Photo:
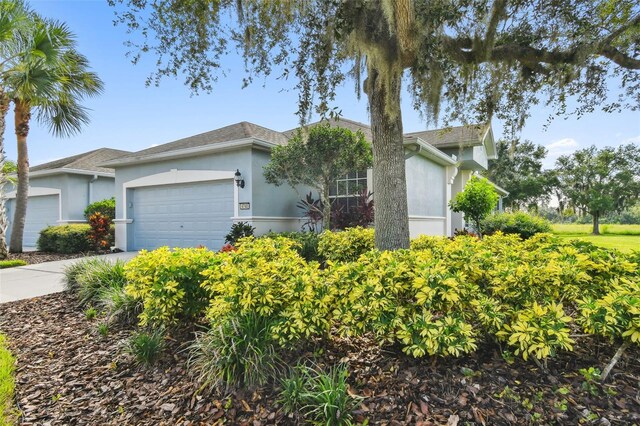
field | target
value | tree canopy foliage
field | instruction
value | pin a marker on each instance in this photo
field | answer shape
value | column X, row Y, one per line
column 518, row 169
column 464, row 60
column 317, row 158
column 601, row 181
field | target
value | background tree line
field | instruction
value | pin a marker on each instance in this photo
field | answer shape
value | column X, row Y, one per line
column 590, row 182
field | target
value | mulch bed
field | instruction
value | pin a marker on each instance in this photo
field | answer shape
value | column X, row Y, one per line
column 68, row 374
column 34, row 257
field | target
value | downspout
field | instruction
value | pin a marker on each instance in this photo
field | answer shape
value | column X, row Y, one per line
column 93, row 179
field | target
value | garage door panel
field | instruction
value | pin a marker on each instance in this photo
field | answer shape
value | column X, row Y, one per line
column 42, row 211
column 182, row 215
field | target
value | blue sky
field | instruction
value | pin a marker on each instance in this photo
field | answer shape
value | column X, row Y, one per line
column 131, row 116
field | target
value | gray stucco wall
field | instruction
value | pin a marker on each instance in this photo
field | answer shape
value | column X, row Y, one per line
column 271, row 200
column 426, row 186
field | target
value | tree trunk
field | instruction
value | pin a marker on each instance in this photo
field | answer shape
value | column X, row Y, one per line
column 22, row 117
column 596, row 223
column 391, row 219
column 326, row 209
column 4, row 222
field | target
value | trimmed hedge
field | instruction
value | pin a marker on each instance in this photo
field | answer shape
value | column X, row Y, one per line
column 106, row 207
column 520, row 223
column 72, row 238
column 11, row 263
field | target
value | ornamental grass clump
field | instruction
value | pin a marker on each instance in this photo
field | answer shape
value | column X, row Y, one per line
column 236, row 351
column 145, row 346
column 321, row 396
column 89, row 278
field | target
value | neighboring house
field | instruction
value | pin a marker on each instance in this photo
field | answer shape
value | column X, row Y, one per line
column 60, row 190
column 184, row 193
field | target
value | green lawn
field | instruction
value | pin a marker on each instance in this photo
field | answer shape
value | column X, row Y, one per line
column 7, row 385
column 621, row 237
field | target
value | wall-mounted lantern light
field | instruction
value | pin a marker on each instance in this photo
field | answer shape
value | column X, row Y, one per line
column 238, row 178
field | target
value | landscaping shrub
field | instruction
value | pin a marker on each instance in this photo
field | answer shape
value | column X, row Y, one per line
column 106, row 207
column 145, row 346
column 168, row 283
column 239, row 230
column 267, row 277
column 99, row 228
column 11, row 263
column 65, row 239
column 520, row 223
column 347, row 245
column 236, row 351
column 72, row 238
column 307, row 246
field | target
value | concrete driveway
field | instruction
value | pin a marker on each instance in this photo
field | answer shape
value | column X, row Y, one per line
column 29, row 281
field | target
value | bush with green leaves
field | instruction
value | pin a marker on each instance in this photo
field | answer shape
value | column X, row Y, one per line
column 239, row 230
column 106, row 207
column 320, row 395
column 73, row 238
column 119, row 306
column 476, row 201
column 347, row 245
column 70, row 238
column 521, row 223
column 238, row 350
column 145, row 346
column 168, row 283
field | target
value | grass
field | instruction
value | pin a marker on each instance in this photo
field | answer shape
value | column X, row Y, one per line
column 7, row 384
column 622, row 237
column 605, row 229
column 11, row 263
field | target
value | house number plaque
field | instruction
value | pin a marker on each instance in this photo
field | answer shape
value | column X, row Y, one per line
column 245, row 206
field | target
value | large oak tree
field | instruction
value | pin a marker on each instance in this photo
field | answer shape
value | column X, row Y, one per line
column 477, row 58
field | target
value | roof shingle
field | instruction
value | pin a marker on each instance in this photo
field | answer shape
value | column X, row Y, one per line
column 86, row 161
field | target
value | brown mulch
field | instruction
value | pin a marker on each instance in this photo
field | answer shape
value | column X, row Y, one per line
column 34, row 257
column 68, row 374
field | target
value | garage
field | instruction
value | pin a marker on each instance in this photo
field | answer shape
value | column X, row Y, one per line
column 182, row 215
column 42, row 211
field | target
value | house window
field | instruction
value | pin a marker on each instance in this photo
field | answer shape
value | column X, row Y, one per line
column 346, row 190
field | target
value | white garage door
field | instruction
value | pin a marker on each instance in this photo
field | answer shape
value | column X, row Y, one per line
column 42, row 211
column 183, row 215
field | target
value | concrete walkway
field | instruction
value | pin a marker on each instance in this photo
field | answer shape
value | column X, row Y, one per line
column 29, row 281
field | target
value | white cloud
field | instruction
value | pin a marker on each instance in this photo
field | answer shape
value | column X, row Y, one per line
column 560, row 147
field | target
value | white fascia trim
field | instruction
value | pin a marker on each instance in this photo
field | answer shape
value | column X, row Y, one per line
column 266, row 218
column 491, row 142
column 122, row 220
column 188, row 152
column 427, row 217
column 431, row 152
column 37, row 191
column 73, row 171
column 175, row 176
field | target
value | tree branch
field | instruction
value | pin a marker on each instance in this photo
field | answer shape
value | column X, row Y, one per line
column 462, row 51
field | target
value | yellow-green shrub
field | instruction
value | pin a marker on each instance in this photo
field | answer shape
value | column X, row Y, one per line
column 539, row 331
column 268, row 277
column 168, row 283
column 347, row 245
column 616, row 314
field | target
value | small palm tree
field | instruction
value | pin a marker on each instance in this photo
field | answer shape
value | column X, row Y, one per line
column 51, row 79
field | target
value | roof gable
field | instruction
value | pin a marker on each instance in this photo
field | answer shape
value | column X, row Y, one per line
column 87, row 161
